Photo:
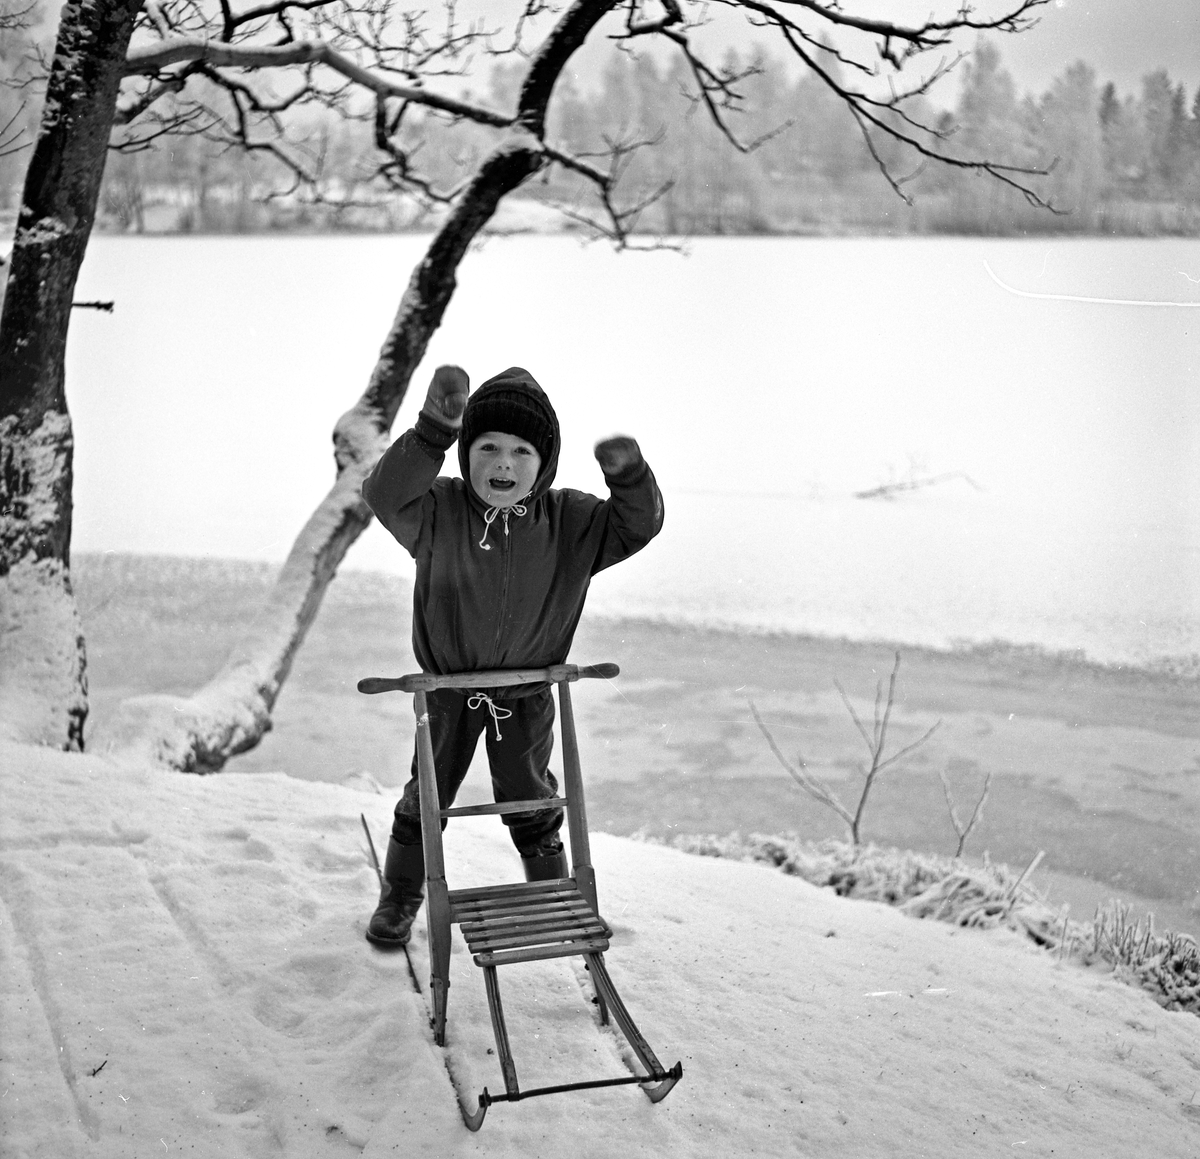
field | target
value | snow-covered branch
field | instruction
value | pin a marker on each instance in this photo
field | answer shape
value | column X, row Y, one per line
column 152, row 60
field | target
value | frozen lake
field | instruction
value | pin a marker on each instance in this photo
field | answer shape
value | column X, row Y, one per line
column 767, row 381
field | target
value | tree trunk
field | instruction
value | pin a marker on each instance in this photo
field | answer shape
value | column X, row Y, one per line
column 43, row 680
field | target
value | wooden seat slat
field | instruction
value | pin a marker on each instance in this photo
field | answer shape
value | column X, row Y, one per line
column 566, row 949
column 509, row 901
column 556, row 886
column 500, row 907
column 578, row 914
column 493, row 939
column 469, row 913
column 531, row 920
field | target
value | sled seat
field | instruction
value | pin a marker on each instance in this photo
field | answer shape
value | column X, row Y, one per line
column 527, row 922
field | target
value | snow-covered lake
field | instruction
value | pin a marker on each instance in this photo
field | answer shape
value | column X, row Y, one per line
column 767, row 381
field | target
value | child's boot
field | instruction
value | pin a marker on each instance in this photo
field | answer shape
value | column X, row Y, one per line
column 400, row 897
column 545, row 865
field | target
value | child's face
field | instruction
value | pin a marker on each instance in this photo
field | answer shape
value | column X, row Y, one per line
column 503, row 468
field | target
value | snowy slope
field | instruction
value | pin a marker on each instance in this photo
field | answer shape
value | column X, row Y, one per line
column 200, row 940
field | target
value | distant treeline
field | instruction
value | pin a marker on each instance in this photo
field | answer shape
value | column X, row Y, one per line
column 1119, row 163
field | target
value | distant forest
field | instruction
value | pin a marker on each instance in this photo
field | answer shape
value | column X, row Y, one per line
column 1119, row 163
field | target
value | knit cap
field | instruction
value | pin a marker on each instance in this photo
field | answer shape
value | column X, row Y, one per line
column 512, row 403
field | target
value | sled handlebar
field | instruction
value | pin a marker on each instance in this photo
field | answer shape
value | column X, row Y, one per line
column 497, row 678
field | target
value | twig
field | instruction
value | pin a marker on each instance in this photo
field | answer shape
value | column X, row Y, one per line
column 1062, row 938
column 1016, row 885
column 875, row 741
column 374, row 856
column 412, row 974
column 887, row 490
column 99, row 1068
column 811, row 784
column 875, row 745
column 976, row 816
column 107, row 307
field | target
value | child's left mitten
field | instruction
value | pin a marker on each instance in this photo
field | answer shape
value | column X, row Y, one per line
column 617, row 454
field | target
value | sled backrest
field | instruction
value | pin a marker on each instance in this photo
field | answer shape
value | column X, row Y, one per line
column 572, row 802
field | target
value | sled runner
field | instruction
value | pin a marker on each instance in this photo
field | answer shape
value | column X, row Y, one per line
column 522, row 921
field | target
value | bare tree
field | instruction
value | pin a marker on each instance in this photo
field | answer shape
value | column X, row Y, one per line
column 238, row 77
column 876, row 741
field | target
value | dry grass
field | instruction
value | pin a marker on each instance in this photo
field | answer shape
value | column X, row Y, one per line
column 1166, row 964
column 987, row 896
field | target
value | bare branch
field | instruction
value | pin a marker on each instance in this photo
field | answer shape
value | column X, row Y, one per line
column 861, row 106
column 907, row 748
column 870, row 743
column 877, row 739
column 887, row 490
column 672, row 16
column 156, row 16
column 152, row 60
column 13, row 18
column 397, row 172
column 278, row 9
column 811, row 784
column 881, row 164
column 154, row 92
column 930, row 34
column 621, row 220
column 10, row 137
column 976, row 816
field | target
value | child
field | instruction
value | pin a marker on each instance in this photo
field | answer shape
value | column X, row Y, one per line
column 503, row 567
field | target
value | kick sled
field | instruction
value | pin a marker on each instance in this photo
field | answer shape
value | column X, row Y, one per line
column 521, row 921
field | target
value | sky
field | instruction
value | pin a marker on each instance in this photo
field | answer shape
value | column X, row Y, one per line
column 1122, row 39
column 184, row 972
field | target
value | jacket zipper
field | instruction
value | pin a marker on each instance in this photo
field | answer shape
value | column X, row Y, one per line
column 506, row 550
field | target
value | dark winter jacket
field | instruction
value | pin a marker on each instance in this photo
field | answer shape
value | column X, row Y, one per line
column 516, row 605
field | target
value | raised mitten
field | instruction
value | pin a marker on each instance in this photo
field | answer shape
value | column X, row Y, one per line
column 618, row 454
column 446, row 398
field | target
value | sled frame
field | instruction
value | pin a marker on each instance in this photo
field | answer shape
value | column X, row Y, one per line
column 521, row 921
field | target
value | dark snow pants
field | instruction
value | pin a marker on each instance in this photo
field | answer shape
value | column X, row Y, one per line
column 520, row 763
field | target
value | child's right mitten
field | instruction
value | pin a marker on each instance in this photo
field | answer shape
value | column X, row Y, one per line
column 446, row 398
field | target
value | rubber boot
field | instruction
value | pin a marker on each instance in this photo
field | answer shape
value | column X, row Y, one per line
column 400, row 898
column 546, row 866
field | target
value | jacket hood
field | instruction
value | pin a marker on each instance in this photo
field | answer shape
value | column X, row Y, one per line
column 514, row 389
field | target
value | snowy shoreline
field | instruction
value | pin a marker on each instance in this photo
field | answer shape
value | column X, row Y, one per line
column 352, row 585
column 1091, row 763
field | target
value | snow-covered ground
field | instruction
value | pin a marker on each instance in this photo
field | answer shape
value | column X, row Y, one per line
column 184, row 972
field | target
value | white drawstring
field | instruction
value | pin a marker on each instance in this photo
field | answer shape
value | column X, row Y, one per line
column 489, row 517
column 497, row 712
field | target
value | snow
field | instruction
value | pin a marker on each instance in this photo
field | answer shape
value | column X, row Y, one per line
column 40, row 630
column 184, row 971
column 44, row 232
